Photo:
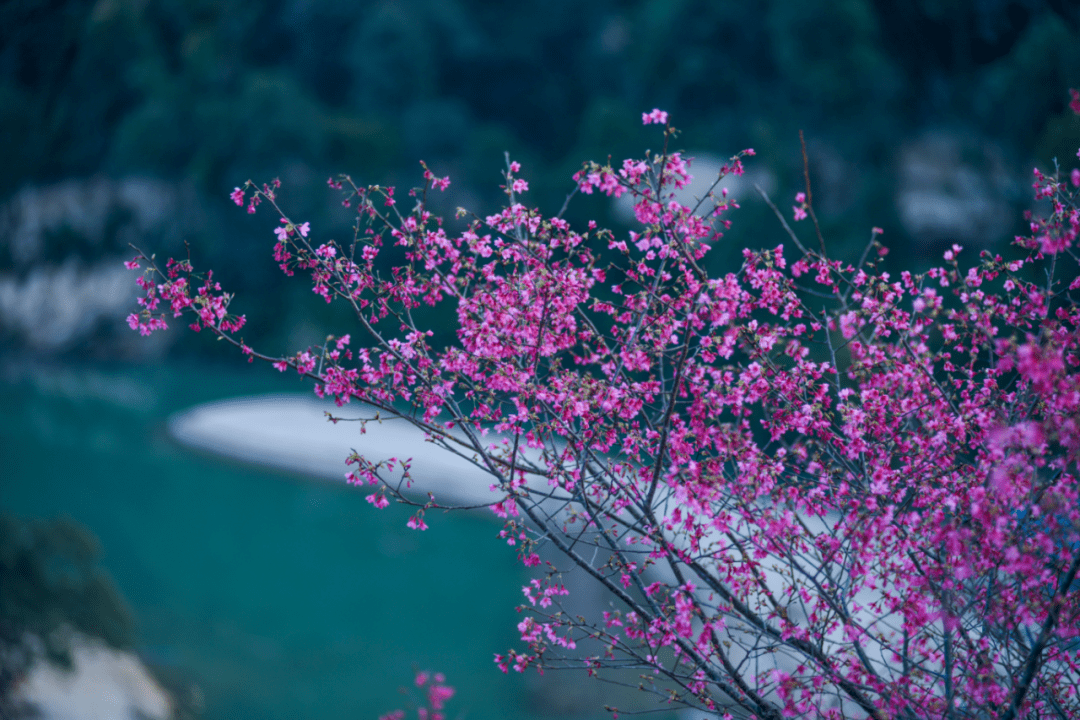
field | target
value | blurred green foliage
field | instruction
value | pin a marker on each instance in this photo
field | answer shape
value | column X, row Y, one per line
column 50, row 585
column 50, row 579
column 212, row 92
column 218, row 90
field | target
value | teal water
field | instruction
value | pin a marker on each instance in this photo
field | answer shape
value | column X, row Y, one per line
column 279, row 596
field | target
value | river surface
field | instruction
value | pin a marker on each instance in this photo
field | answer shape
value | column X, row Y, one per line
column 279, row 596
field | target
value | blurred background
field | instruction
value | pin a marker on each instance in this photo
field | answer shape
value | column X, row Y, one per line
column 250, row 594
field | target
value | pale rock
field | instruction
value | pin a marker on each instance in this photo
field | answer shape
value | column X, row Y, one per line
column 705, row 168
column 55, row 306
column 84, row 207
column 102, row 684
column 954, row 189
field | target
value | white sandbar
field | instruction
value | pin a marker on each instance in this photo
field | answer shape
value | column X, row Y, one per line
column 292, row 433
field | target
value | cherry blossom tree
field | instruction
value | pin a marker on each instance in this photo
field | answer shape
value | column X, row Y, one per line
column 811, row 488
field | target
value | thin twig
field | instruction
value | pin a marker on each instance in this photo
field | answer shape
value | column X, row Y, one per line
column 810, row 194
column 780, row 217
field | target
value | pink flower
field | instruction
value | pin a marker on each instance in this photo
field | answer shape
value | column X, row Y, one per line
column 515, row 167
column 800, row 213
column 304, row 229
column 520, row 186
column 800, row 197
column 1053, row 243
column 1074, row 105
column 282, row 233
column 1040, row 365
column 132, row 264
column 237, row 196
column 438, row 694
column 1074, row 177
column 656, row 116
column 849, row 325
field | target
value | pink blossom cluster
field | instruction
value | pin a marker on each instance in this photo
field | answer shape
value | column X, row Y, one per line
column 813, row 488
column 436, row 693
column 208, row 303
column 1058, row 232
